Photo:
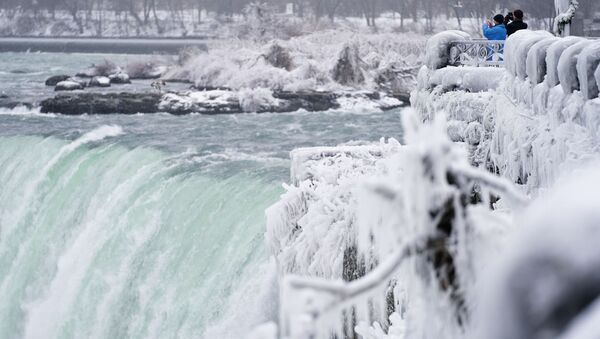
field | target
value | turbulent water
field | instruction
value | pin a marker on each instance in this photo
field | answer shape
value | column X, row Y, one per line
column 145, row 226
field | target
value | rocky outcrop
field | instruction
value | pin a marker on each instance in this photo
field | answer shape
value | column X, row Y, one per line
column 102, row 103
column 99, row 81
column 68, row 85
column 119, row 79
column 206, row 102
column 54, row 80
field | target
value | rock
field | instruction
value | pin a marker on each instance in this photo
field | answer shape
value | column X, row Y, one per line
column 205, row 102
column 102, row 103
column 307, row 100
column 99, row 81
column 119, row 78
column 68, row 85
column 55, row 79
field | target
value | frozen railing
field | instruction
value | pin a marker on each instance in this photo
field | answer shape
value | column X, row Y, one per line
column 477, row 52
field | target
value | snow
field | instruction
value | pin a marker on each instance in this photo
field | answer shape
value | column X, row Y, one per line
column 471, row 79
column 552, row 58
column 536, row 60
column 68, row 85
column 587, row 63
column 550, row 273
column 567, row 66
column 313, row 57
column 438, row 49
column 524, row 266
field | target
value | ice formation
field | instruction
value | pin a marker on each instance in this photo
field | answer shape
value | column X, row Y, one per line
column 392, row 241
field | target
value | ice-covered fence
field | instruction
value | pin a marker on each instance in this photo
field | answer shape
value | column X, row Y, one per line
column 457, row 48
column 476, row 52
column 537, row 116
column 409, row 217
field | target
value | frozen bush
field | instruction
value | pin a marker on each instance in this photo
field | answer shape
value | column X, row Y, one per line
column 348, row 68
column 279, row 57
column 145, row 70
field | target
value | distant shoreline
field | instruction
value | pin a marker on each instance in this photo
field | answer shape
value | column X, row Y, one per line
column 100, row 45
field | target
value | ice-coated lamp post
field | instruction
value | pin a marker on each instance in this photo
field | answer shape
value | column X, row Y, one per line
column 565, row 13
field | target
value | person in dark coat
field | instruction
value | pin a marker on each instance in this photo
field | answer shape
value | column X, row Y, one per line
column 517, row 23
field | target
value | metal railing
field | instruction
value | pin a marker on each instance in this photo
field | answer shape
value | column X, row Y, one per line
column 477, row 52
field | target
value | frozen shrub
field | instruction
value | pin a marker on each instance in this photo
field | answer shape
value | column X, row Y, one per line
column 279, row 57
column 188, row 53
column 145, row 70
column 348, row 70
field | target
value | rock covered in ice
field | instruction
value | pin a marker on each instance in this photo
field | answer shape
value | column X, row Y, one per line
column 536, row 60
column 119, row 78
column 68, row 85
column 567, row 66
column 55, row 79
column 587, row 64
column 552, row 57
column 549, row 276
column 99, row 81
column 438, row 48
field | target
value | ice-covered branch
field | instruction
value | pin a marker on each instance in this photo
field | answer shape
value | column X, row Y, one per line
column 347, row 290
column 497, row 184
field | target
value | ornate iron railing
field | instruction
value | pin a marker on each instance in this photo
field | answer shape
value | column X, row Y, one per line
column 477, row 52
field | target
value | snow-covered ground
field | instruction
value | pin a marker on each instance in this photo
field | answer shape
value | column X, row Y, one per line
column 483, row 225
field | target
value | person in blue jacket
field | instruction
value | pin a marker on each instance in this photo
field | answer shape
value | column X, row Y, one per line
column 495, row 30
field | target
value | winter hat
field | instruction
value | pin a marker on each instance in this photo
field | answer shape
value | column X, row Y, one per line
column 499, row 18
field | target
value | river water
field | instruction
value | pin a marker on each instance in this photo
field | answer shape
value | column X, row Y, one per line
column 144, row 226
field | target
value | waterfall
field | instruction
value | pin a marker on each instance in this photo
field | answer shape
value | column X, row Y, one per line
column 98, row 240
